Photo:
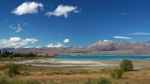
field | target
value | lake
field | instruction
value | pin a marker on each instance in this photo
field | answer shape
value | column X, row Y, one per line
column 95, row 57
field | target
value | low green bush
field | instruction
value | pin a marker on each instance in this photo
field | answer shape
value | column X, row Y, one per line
column 117, row 73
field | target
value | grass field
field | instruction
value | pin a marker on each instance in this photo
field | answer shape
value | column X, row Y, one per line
column 47, row 75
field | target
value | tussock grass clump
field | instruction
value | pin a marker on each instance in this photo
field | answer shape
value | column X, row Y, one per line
column 117, row 73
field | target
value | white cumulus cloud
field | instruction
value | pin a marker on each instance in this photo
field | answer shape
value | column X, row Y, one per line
column 55, row 45
column 66, row 40
column 27, row 8
column 16, row 42
column 62, row 10
column 121, row 37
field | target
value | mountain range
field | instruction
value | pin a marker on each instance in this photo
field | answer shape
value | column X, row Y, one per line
column 105, row 47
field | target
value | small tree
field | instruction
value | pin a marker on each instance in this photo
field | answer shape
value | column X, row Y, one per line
column 117, row 73
column 126, row 65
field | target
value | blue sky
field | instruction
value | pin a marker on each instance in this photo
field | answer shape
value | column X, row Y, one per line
column 79, row 22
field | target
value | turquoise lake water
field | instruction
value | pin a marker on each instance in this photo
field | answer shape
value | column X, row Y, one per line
column 92, row 57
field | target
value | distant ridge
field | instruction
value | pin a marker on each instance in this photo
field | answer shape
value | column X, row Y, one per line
column 99, row 48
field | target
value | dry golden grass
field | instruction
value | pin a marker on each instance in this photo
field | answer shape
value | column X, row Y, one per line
column 47, row 75
column 73, row 76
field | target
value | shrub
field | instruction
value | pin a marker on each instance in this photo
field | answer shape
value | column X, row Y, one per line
column 126, row 65
column 117, row 73
column 11, row 69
